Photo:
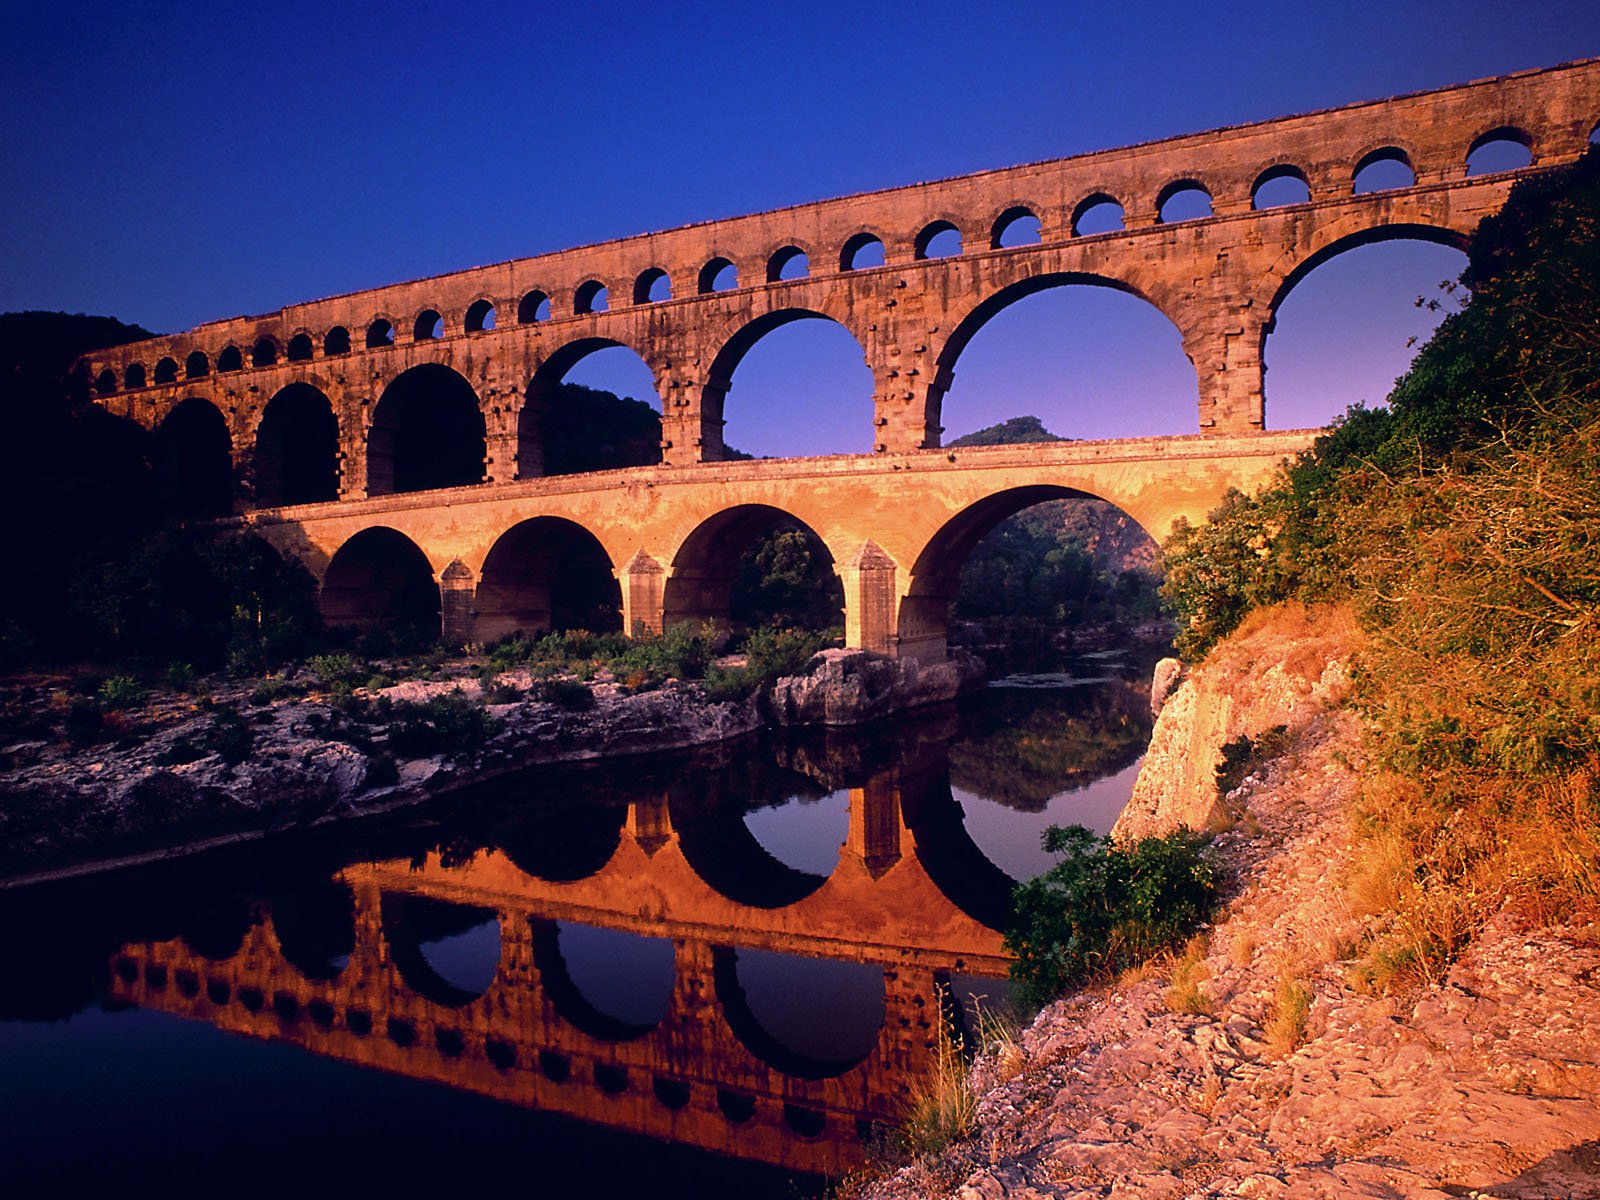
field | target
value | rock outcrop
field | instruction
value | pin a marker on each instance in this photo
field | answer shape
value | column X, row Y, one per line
column 851, row 687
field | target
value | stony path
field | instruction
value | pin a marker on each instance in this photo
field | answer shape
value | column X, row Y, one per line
column 1487, row 1084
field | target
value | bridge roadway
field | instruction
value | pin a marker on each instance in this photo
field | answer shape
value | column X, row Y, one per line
column 896, row 528
column 707, row 1073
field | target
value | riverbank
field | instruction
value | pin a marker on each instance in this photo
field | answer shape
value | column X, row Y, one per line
column 1262, row 1062
column 177, row 772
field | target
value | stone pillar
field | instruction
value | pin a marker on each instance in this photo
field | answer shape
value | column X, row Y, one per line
column 457, row 609
column 501, row 406
column 650, row 823
column 869, row 599
column 1225, row 344
column 875, row 825
column 643, row 582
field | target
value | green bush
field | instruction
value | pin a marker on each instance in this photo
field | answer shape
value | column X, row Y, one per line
column 570, row 694
column 450, row 724
column 121, row 691
column 1105, row 906
column 332, row 669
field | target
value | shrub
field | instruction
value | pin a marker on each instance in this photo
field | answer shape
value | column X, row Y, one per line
column 120, row 691
column 1105, row 906
column 230, row 736
column 330, row 670
column 570, row 694
column 450, row 724
column 180, row 676
column 84, row 722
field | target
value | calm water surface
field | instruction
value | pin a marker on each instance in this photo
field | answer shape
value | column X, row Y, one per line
column 712, row 976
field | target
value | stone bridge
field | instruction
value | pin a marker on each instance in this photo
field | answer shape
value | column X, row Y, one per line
column 405, row 424
column 708, row 1072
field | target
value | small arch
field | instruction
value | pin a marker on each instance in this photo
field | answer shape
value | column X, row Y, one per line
column 427, row 432
column 652, row 287
column 718, row 275
column 533, row 307
column 1505, row 148
column 380, row 334
column 429, row 325
column 297, row 449
column 1017, row 226
column 480, row 316
column 862, row 252
column 1278, row 186
column 938, row 239
column 592, row 296
column 380, row 580
column 337, row 342
column 230, row 359
column 1099, row 213
column 166, row 370
column 264, row 353
column 1183, row 200
column 299, row 348
column 1382, row 170
column 133, row 376
column 547, row 573
column 194, row 460
column 315, row 928
column 106, row 382
column 788, row 262
column 197, row 365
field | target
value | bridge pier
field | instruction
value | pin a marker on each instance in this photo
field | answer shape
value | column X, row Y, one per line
column 643, row 581
column 869, row 599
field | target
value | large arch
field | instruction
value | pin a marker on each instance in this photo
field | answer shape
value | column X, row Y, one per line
column 297, row 449
column 380, row 580
column 924, row 617
column 444, row 951
column 773, row 1013
column 1357, row 326
column 427, row 432
column 194, row 460
column 703, row 584
column 612, row 985
column 1147, row 398
column 566, row 426
column 807, row 405
column 547, row 573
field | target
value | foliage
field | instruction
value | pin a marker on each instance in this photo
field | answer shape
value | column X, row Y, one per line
column 590, row 430
column 121, row 691
column 785, row 578
column 448, row 724
column 1012, row 432
column 1105, row 906
column 1243, row 754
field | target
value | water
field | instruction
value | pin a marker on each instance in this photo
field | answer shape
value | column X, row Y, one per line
column 714, row 975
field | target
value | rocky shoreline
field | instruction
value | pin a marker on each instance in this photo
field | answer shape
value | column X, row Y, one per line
column 71, row 810
column 1194, row 1079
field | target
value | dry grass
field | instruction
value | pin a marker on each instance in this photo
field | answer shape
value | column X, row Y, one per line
column 1243, row 948
column 1291, row 1007
column 1189, row 971
column 942, row 1107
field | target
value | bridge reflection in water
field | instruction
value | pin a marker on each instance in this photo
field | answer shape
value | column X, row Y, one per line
column 650, row 967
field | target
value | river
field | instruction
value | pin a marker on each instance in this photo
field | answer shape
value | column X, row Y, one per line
column 711, row 975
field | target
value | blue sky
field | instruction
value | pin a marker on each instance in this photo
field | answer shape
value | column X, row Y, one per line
column 169, row 163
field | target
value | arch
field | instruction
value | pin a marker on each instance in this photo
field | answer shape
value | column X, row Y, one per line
column 547, row 573
column 264, row 353
column 480, row 316
column 197, row 365
column 729, row 859
column 1366, row 368
column 992, row 306
column 938, row 239
column 1183, row 200
column 133, row 376
column 336, row 342
column 589, row 431
column 652, row 287
column 297, row 449
column 230, row 359
column 701, row 587
column 166, row 371
column 533, row 307
column 1280, row 185
column 445, row 952
column 380, row 334
column 951, row 859
column 427, row 432
column 720, row 378
column 106, row 382
column 1382, row 170
column 1504, row 148
column 194, row 460
column 299, row 348
column 429, row 325
column 379, row 580
column 1097, row 213
column 788, row 262
column 564, row 843
column 591, row 296
column 217, row 931
column 924, row 614
column 315, row 928
column 718, row 275
column 1017, row 226
column 861, row 252
column 766, row 999
column 610, row 984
